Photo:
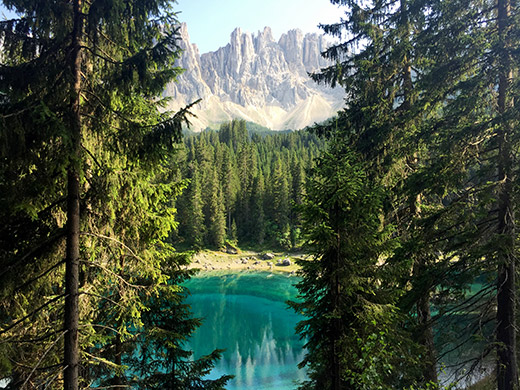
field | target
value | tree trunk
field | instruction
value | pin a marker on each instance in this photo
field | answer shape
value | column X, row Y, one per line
column 425, row 337
column 336, row 321
column 424, row 318
column 71, row 347
column 118, row 380
column 507, row 371
column 71, row 353
column 423, row 304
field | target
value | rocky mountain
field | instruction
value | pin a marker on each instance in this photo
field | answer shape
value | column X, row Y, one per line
column 256, row 78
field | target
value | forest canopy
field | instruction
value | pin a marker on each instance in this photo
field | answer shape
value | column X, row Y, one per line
column 90, row 292
column 406, row 201
column 244, row 187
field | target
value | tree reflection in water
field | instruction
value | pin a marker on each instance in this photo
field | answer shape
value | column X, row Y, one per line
column 246, row 314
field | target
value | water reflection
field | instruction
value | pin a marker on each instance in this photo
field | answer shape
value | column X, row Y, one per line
column 246, row 314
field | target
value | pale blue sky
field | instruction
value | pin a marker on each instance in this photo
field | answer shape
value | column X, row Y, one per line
column 210, row 22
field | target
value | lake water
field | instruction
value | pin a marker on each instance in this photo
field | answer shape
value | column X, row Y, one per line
column 246, row 314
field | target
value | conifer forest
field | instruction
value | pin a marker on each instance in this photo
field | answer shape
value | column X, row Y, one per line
column 404, row 202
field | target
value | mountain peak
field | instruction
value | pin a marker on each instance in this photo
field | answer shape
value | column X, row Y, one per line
column 257, row 79
column 266, row 35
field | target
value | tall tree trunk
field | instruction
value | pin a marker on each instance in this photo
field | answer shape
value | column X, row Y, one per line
column 71, row 353
column 118, row 380
column 118, row 344
column 336, row 320
column 423, row 303
column 423, row 306
column 507, row 371
column 71, row 347
column 426, row 339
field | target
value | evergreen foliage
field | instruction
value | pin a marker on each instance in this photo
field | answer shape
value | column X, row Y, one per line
column 431, row 109
column 377, row 67
column 248, row 186
column 350, row 310
column 413, row 200
column 85, row 146
column 479, row 123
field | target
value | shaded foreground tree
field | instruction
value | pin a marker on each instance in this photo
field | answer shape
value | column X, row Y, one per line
column 432, row 96
column 474, row 75
column 85, row 183
column 352, row 341
column 374, row 64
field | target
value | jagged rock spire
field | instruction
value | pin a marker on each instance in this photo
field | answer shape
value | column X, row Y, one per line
column 258, row 79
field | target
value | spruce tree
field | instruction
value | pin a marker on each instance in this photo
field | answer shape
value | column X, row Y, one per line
column 507, row 362
column 280, row 202
column 257, row 209
column 190, row 205
column 431, row 103
column 381, row 67
column 349, row 313
column 245, row 178
column 473, row 46
column 297, row 193
column 246, row 169
column 229, row 180
column 82, row 125
column 214, row 212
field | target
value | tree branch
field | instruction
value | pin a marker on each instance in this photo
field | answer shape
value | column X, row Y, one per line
column 31, row 314
column 42, row 357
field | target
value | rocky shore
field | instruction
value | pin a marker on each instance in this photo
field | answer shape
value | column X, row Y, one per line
column 245, row 261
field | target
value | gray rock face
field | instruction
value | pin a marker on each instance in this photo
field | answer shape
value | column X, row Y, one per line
column 284, row 263
column 257, row 79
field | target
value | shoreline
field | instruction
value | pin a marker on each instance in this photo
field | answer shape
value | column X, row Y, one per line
column 244, row 261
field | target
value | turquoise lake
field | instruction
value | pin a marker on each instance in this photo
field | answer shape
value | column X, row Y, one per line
column 246, row 314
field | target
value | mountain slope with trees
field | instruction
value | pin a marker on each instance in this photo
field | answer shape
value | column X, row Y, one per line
column 243, row 186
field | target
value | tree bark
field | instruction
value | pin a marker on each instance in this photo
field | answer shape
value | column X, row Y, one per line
column 426, row 339
column 118, row 380
column 71, row 346
column 336, row 321
column 507, row 371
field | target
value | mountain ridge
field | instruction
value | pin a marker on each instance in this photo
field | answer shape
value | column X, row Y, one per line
column 255, row 78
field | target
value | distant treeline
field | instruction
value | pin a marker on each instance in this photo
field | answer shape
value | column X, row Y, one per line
column 242, row 186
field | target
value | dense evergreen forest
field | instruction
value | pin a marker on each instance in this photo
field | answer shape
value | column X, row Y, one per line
column 244, row 187
column 411, row 212
column 89, row 282
column 407, row 203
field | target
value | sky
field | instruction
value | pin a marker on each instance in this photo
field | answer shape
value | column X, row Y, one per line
column 210, row 22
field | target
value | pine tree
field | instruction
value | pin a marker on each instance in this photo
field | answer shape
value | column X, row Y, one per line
column 507, row 362
column 257, row 209
column 349, row 315
column 381, row 68
column 297, row 193
column 245, row 178
column 476, row 40
column 214, row 212
column 229, row 180
column 458, row 100
column 82, row 124
column 280, row 202
column 246, row 166
column 194, row 228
